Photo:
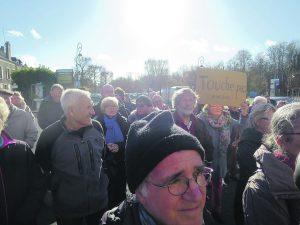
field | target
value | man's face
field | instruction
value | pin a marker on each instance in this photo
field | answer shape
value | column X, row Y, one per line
column 16, row 100
column 56, row 94
column 166, row 208
column 186, row 104
column 82, row 113
column 107, row 91
column 143, row 109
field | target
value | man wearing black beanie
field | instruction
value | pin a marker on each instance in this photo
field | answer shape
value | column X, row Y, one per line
column 165, row 171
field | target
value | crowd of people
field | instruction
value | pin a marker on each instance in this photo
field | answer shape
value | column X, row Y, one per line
column 135, row 163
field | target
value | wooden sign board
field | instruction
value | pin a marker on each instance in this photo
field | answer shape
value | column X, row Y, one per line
column 227, row 88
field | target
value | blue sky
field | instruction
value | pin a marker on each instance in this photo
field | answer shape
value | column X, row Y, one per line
column 122, row 34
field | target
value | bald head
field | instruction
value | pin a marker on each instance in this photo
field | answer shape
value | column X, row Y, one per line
column 107, row 91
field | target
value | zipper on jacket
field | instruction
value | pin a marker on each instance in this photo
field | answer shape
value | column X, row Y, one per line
column 78, row 157
column 91, row 151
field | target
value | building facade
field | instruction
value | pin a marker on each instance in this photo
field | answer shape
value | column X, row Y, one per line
column 7, row 65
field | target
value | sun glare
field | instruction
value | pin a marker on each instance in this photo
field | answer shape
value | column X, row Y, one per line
column 154, row 20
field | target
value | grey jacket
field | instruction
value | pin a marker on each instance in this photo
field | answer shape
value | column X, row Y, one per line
column 20, row 125
column 219, row 158
column 78, row 182
column 271, row 196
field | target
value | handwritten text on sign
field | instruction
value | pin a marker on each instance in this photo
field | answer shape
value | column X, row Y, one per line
column 221, row 87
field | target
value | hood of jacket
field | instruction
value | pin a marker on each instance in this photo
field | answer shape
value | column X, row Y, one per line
column 278, row 174
column 251, row 134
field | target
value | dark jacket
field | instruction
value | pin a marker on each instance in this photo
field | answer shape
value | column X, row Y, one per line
column 49, row 112
column 78, row 183
column 122, row 121
column 23, row 182
column 271, row 196
column 201, row 134
column 115, row 164
column 127, row 213
column 250, row 141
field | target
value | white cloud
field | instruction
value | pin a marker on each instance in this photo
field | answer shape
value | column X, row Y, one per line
column 15, row 33
column 225, row 49
column 199, row 46
column 270, row 43
column 103, row 57
column 29, row 60
column 35, row 34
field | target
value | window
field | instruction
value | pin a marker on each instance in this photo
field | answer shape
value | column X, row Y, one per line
column 8, row 74
column 1, row 73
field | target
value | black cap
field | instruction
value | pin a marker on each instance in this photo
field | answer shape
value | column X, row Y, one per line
column 152, row 139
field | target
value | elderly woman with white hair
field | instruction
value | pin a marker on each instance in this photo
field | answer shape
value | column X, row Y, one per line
column 22, row 182
column 250, row 141
column 115, row 128
column 271, row 196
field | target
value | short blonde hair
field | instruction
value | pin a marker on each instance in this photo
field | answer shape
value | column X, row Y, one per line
column 4, row 112
column 108, row 101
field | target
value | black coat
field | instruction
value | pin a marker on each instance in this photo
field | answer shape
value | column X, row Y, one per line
column 202, row 135
column 49, row 112
column 24, row 185
column 250, row 141
column 115, row 165
column 127, row 213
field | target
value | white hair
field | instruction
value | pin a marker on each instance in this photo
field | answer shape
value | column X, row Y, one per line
column 179, row 93
column 259, row 100
column 4, row 112
column 71, row 97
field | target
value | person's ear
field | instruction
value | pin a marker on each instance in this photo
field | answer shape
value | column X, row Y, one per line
column 141, row 193
column 282, row 140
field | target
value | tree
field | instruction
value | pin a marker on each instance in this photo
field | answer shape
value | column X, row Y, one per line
column 28, row 76
column 82, row 64
column 241, row 61
column 281, row 57
column 156, row 73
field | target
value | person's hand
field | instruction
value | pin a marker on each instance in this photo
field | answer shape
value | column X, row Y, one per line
column 113, row 147
column 244, row 109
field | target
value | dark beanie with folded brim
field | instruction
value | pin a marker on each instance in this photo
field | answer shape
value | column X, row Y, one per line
column 152, row 139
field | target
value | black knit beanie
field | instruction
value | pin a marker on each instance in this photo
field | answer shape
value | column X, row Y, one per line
column 152, row 139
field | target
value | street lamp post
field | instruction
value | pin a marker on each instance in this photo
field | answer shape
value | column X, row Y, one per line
column 78, row 61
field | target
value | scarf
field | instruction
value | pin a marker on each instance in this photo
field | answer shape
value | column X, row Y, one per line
column 145, row 218
column 113, row 130
column 222, row 124
column 5, row 140
column 283, row 157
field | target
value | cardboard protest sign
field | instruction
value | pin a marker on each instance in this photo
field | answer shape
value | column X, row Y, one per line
column 221, row 87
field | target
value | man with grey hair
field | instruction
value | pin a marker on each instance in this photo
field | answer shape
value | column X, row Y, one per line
column 50, row 109
column 184, row 102
column 70, row 150
column 271, row 196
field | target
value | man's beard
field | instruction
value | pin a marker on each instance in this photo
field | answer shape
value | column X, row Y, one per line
column 186, row 112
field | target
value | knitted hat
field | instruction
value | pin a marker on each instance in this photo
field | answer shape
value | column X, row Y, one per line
column 152, row 139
